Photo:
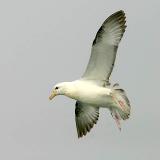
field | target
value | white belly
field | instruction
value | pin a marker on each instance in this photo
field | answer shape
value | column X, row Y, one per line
column 93, row 94
column 97, row 100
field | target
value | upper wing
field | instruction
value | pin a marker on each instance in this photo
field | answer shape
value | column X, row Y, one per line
column 105, row 46
column 86, row 116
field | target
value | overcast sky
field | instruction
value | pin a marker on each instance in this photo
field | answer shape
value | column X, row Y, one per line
column 49, row 41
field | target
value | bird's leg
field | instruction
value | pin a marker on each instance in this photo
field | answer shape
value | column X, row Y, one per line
column 117, row 118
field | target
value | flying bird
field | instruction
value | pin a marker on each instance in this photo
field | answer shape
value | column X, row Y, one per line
column 93, row 90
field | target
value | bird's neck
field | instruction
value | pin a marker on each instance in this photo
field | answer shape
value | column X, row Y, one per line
column 70, row 90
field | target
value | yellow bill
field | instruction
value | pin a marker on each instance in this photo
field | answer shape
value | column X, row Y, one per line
column 53, row 94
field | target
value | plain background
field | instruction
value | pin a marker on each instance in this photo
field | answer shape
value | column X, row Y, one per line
column 45, row 42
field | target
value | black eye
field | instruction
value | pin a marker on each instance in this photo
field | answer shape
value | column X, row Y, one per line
column 56, row 87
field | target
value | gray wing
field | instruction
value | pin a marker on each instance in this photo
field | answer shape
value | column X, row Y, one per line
column 85, row 116
column 105, row 46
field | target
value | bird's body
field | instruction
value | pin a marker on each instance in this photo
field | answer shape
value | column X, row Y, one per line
column 93, row 90
column 89, row 92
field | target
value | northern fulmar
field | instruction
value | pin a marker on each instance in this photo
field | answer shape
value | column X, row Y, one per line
column 93, row 90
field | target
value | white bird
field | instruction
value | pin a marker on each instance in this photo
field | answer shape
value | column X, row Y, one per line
column 93, row 89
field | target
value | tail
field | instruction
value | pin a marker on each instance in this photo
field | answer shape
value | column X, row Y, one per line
column 122, row 109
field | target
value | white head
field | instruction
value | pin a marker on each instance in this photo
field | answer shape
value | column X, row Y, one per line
column 64, row 88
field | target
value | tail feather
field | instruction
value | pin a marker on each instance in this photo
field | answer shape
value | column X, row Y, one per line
column 122, row 101
column 122, row 111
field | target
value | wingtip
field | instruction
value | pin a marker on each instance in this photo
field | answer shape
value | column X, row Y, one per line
column 122, row 11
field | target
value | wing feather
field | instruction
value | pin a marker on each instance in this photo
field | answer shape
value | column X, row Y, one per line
column 105, row 46
column 85, row 116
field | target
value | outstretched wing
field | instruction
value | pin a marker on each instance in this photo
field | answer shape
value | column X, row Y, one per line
column 105, row 46
column 85, row 116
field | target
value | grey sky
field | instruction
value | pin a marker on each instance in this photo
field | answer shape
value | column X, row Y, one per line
column 45, row 42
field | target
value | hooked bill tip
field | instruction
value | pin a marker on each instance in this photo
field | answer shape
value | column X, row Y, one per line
column 52, row 96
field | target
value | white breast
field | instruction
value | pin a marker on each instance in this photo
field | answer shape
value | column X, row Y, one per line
column 91, row 93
